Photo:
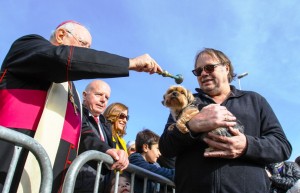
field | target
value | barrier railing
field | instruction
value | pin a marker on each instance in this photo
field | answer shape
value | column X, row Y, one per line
column 23, row 141
column 101, row 158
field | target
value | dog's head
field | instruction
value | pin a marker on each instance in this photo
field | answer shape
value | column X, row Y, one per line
column 177, row 98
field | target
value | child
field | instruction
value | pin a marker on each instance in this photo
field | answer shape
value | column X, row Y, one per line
column 123, row 185
column 130, row 147
column 147, row 152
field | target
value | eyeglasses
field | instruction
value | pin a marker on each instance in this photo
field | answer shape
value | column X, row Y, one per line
column 123, row 116
column 209, row 68
column 81, row 42
column 132, row 149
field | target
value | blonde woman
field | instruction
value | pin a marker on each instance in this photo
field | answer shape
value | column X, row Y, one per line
column 117, row 115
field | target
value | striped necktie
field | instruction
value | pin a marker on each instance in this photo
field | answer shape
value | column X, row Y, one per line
column 101, row 133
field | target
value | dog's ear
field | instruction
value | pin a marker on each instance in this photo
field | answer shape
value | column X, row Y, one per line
column 190, row 96
column 163, row 101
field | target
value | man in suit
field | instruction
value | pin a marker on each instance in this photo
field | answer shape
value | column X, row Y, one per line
column 97, row 135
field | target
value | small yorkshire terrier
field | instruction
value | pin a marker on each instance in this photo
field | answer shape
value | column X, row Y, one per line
column 181, row 103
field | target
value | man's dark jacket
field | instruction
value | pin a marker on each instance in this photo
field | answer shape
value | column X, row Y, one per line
column 266, row 143
column 90, row 140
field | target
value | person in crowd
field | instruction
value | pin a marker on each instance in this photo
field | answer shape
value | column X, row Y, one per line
column 97, row 135
column 32, row 67
column 130, row 147
column 147, row 152
column 238, row 163
column 283, row 176
column 117, row 115
column 124, row 185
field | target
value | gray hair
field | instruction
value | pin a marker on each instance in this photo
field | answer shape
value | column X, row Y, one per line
column 68, row 26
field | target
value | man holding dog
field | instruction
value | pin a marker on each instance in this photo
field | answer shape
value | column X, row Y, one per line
column 238, row 163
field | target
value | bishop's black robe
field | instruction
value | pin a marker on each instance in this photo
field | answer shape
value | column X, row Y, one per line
column 30, row 67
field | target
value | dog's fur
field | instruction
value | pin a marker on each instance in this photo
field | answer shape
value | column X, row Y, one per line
column 181, row 103
column 224, row 132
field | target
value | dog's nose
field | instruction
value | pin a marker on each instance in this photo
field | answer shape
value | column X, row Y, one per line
column 175, row 93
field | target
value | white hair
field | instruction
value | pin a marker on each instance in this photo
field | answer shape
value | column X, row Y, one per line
column 68, row 26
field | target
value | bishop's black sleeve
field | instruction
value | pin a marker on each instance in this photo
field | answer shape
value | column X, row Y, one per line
column 33, row 56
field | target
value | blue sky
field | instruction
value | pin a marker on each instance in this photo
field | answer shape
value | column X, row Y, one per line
column 260, row 37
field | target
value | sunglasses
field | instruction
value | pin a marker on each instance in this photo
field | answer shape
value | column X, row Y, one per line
column 123, row 116
column 132, row 149
column 209, row 68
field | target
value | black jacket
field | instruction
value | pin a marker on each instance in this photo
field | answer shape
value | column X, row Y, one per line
column 266, row 143
column 283, row 178
column 90, row 136
column 90, row 140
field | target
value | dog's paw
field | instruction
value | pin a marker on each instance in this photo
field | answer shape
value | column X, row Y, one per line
column 181, row 126
column 171, row 127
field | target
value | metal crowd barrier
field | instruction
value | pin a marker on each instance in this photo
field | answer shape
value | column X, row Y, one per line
column 83, row 158
column 23, row 141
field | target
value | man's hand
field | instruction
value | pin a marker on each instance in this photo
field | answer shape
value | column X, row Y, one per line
column 210, row 117
column 120, row 157
column 144, row 63
column 227, row 147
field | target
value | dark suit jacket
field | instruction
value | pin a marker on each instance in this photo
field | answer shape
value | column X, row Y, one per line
column 90, row 136
column 90, row 140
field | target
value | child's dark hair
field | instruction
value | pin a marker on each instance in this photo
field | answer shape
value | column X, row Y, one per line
column 145, row 136
column 112, row 178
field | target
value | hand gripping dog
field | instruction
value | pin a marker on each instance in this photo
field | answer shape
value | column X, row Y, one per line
column 183, row 107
